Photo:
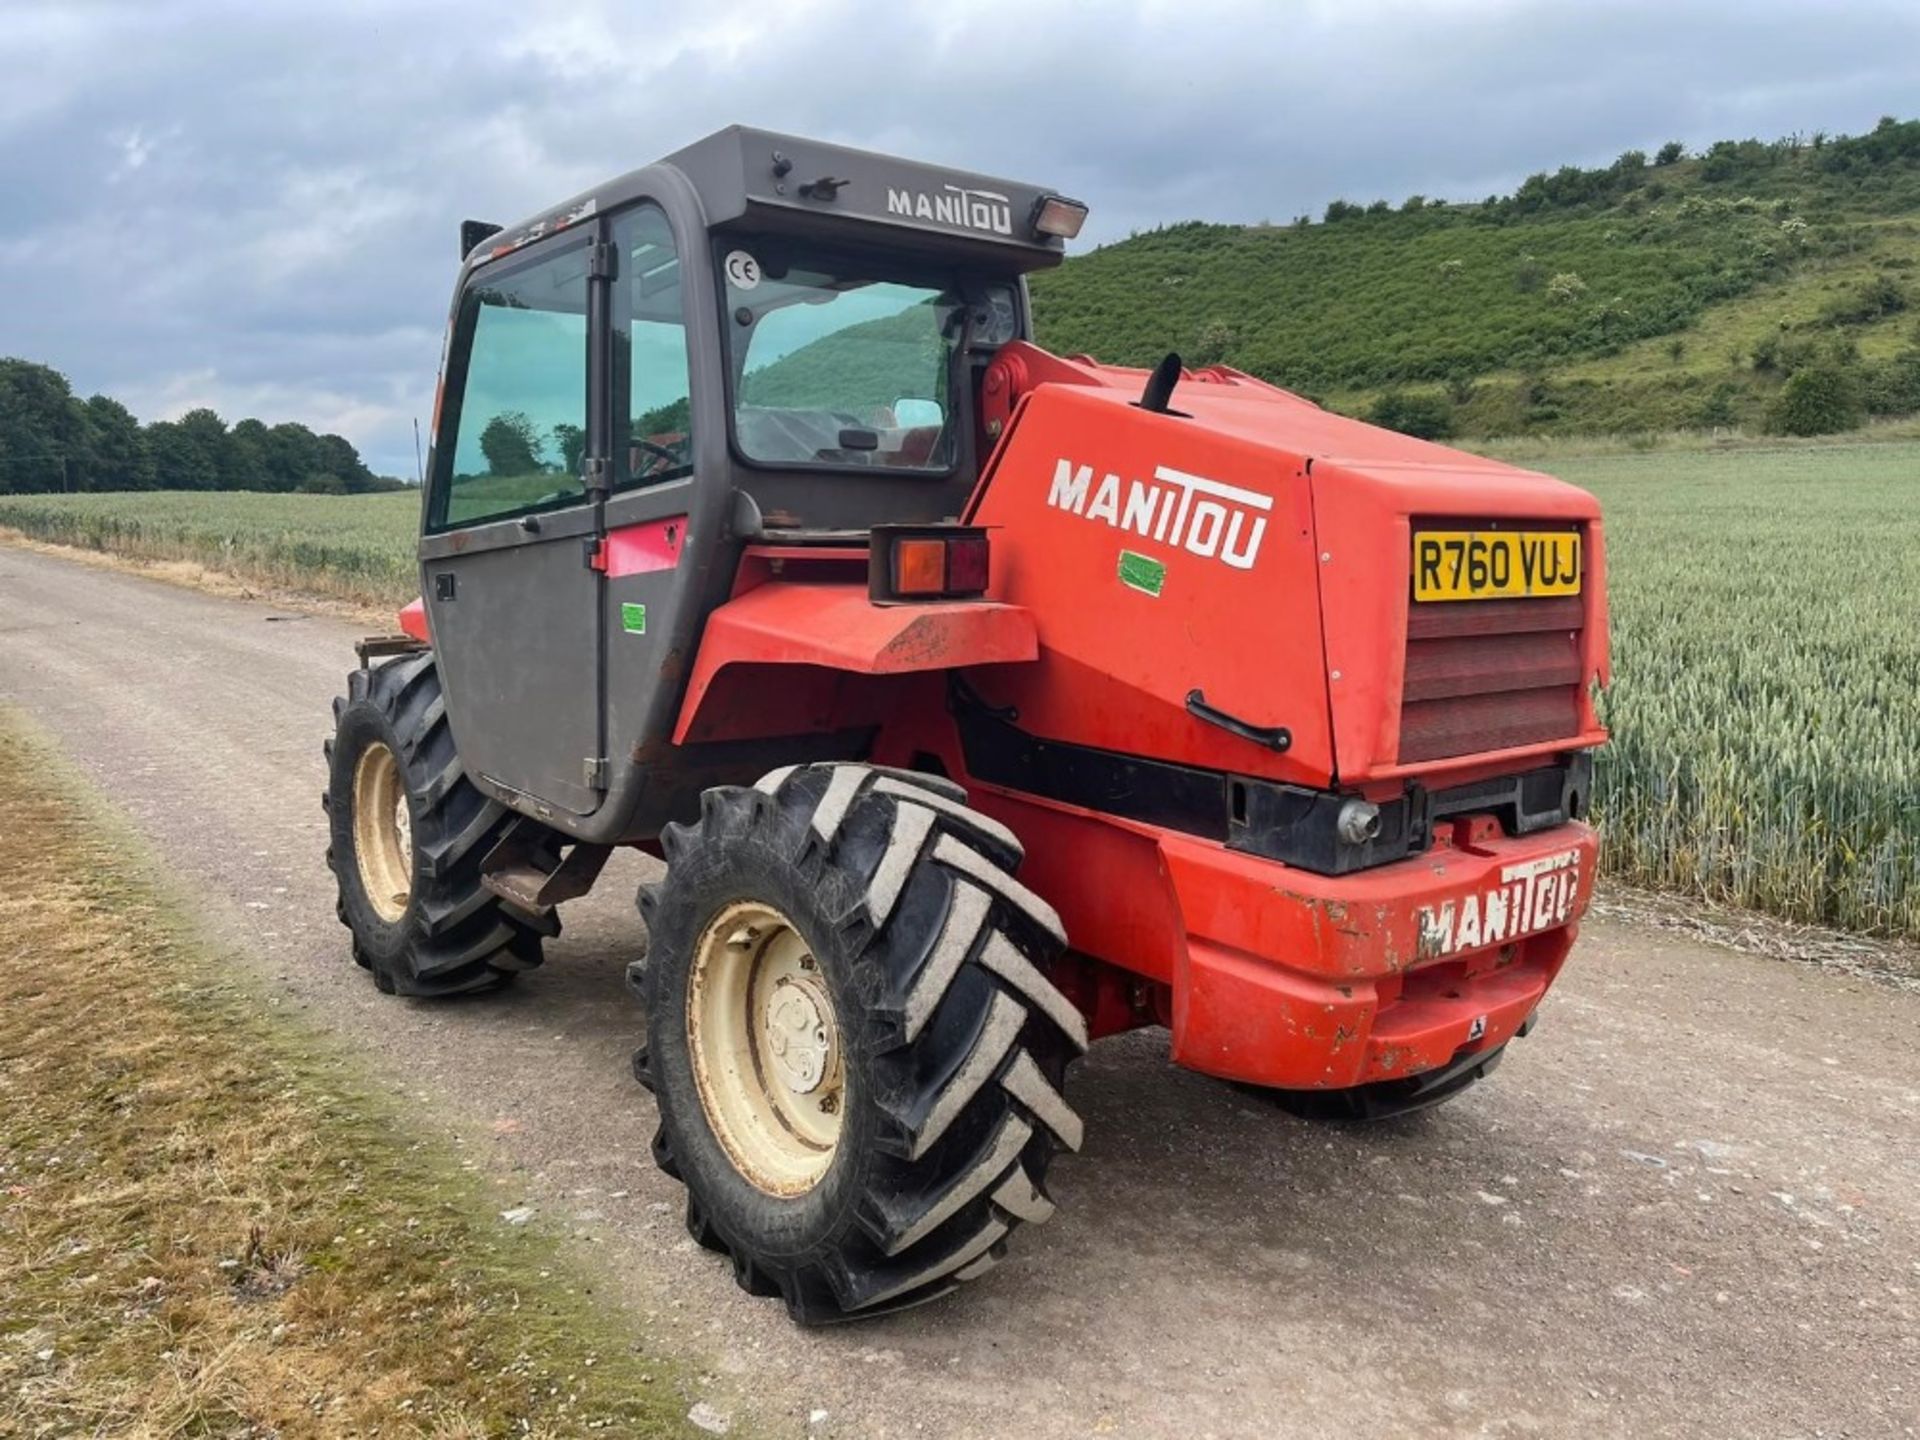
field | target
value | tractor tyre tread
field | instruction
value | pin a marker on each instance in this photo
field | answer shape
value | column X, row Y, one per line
column 957, row 1047
column 456, row 937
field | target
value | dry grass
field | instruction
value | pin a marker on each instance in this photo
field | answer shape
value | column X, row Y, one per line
column 208, row 1227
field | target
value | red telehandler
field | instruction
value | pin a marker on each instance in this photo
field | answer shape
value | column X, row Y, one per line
column 981, row 703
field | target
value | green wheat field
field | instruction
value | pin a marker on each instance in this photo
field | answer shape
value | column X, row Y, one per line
column 1766, row 634
column 348, row 547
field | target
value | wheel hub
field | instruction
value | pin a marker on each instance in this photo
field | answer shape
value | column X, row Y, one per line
column 764, row 1039
column 798, row 1037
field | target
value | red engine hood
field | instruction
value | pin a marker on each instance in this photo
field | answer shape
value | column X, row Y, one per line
column 1289, row 606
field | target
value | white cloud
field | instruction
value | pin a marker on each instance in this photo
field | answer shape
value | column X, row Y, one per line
column 135, row 148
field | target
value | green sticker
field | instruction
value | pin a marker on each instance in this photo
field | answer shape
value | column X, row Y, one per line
column 633, row 618
column 1142, row 573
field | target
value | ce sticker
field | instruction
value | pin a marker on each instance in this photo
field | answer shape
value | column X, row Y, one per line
column 743, row 271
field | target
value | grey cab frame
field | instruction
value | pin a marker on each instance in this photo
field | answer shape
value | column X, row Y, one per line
column 559, row 708
column 521, row 618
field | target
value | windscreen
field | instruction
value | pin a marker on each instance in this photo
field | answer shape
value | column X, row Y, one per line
column 835, row 367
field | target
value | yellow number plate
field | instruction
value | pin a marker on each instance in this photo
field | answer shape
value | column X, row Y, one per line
column 1494, row 564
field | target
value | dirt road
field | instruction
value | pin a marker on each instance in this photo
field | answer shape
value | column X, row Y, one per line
column 1689, row 1204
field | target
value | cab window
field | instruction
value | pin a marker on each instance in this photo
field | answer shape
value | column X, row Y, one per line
column 652, row 416
column 836, row 366
column 518, row 393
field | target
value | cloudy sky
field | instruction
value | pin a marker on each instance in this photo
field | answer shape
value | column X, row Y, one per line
column 254, row 205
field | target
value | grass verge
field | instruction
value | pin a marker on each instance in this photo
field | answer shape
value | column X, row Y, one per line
column 211, row 1226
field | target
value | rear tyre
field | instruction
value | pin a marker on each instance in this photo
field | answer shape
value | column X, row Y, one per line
column 406, row 834
column 857, row 1055
column 1388, row 1099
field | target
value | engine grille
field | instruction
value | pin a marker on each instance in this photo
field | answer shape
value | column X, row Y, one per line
column 1488, row 674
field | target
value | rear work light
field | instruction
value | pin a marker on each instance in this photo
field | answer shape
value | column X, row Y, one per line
column 927, row 562
column 1057, row 215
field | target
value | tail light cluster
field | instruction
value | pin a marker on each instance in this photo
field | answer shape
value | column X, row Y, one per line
column 927, row 562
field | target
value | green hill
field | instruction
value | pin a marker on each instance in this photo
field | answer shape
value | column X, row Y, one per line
column 1685, row 291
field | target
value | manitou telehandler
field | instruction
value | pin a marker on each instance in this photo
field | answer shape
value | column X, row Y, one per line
column 759, row 535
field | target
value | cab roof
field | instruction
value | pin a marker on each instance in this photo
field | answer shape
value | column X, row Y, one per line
column 750, row 179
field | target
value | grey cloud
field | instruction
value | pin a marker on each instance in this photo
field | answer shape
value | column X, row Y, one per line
column 254, row 206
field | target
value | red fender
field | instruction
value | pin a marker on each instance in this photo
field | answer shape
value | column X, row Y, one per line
column 837, row 627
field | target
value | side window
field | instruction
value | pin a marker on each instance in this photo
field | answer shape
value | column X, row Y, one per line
column 652, row 416
column 519, row 425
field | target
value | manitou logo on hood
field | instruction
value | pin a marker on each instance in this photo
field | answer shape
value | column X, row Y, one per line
column 975, row 209
column 1205, row 517
column 1532, row 896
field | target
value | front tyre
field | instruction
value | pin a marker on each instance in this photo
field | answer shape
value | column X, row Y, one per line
column 856, row 1051
column 406, row 834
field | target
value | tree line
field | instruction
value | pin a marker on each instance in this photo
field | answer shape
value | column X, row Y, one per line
column 52, row 440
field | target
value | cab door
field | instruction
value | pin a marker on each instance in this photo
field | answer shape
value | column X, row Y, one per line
column 512, row 520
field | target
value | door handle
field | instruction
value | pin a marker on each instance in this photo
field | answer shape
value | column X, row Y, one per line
column 443, row 585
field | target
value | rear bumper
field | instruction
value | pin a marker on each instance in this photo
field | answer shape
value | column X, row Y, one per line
column 1310, row 982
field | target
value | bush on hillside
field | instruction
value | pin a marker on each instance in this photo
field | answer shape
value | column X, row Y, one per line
column 1786, row 355
column 1878, row 298
column 1894, row 388
column 1822, row 399
column 1425, row 417
column 1566, row 287
column 1539, row 398
column 1212, row 345
column 1721, row 409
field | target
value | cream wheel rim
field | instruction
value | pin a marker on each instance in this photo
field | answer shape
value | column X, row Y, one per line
column 766, row 1049
column 383, row 832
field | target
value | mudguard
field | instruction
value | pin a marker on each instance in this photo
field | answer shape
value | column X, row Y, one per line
column 837, row 627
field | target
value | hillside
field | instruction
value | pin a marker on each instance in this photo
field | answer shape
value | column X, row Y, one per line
column 1679, row 291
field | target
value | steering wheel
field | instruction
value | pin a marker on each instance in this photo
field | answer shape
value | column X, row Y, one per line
column 665, row 454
